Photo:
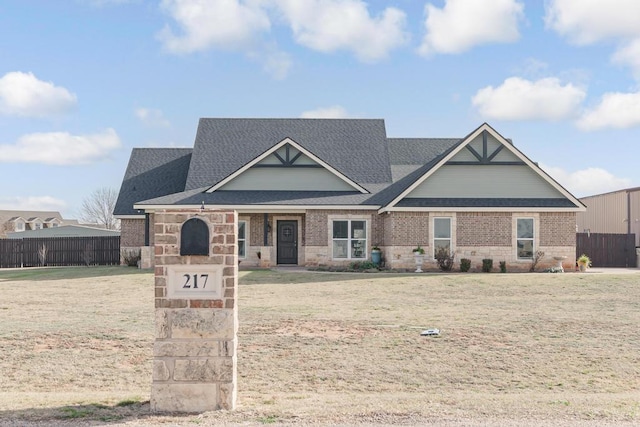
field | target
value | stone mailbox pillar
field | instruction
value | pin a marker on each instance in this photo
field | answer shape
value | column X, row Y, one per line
column 196, row 280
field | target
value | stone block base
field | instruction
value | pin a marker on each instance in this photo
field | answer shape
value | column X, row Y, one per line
column 199, row 397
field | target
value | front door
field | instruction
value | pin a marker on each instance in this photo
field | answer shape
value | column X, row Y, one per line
column 287, row 242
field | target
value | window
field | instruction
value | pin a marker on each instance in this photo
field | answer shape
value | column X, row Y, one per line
column 350, row 239
column 38, row 226
column 242, row 239
column 54, row 224
column 19, row 226
column 441, row 234
column 525, row 238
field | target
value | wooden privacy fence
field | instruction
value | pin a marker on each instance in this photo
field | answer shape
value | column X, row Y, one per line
column 607, row 250
column 59, row 251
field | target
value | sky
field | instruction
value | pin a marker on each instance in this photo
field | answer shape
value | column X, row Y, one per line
column 82, row 82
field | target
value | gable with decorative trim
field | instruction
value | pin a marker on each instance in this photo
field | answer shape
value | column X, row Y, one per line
column 287, row 169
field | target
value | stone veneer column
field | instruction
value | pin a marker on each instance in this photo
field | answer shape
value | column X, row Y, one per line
column 195, row 365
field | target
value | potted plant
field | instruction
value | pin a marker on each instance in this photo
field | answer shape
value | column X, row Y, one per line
column 418, row 255
column 376, row 255
column 584, row 262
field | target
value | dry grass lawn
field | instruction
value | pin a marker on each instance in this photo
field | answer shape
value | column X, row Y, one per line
column 335, row 349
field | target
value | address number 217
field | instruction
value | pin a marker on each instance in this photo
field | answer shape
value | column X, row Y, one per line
column 191, row 281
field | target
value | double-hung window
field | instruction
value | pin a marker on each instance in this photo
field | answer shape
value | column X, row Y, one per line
column 242, row 239
column 441, row 234
column 349, row 239
column 525, row 238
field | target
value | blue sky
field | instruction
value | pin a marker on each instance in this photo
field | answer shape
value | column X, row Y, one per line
column 82, row 82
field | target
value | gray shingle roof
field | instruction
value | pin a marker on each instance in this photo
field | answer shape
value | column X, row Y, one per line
column 485, row 203
column 63, row 231
column 314, row 198
column 152, row 172
column 418, row 151
column 355, row 147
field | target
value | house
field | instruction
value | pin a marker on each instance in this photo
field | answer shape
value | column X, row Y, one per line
column 325, row 191
column 17, row 221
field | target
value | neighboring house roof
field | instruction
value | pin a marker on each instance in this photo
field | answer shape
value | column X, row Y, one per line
column 64, row 231
column 152, row 172
column 384, row 173
column 12, row 215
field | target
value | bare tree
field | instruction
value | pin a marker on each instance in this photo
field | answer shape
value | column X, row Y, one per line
column 98, row 208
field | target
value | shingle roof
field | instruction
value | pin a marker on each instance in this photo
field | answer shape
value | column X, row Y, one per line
column 485, row 203
column 355, row 147
column 418, row 151
column 63, row 231
column 152, row 172
column 313, row 198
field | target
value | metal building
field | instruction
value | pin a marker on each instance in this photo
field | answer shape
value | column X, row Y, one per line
column 615, row 212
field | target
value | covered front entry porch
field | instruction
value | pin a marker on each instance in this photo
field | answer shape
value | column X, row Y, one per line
column 271, row 239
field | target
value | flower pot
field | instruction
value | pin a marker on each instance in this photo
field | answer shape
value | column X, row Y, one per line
column 583, row 267
column 376, row 256
column 419, row 259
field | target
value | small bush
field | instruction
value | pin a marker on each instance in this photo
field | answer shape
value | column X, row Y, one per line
column 503, row 266
column 465, row 264
column 362, row 265
column 536, row 259
column 487, row 265
column 131, row 257
column 445, row 259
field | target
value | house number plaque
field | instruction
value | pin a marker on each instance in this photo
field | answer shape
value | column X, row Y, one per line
column 194, row 281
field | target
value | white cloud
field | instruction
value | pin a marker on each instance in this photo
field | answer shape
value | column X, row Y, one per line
column 590, row 21
column 333, row 112
column 587, row 182
column 32, row 203
column 463, row 24
column 152, row 117
column 61, row 148
column 274, row 62
column 629, row 54
column 587, row 22
column 332, row 25
column 22, row 94
column 520, row 99
column 220, row 24
column 616, row 110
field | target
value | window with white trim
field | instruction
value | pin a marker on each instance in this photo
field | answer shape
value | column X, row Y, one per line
column 441, row 234
column 19, row 226
column 525, row 238
column 242, row 239
column 349, row 239
column 38, row 226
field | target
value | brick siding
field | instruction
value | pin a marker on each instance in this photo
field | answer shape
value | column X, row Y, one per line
column 483, row 228
column 558, row 229
column 132, row 232
column 406, row 229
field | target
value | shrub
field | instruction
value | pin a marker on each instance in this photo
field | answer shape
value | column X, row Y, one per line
column 131, row 257
column 362, row 265
column 536, row 259
column 487, row 265
column 445, row 259
column 465, row 264
column 503, row 266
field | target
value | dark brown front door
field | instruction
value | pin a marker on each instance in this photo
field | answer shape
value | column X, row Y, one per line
column 287, row 242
